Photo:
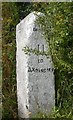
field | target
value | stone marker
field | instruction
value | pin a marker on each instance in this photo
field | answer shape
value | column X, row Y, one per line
column 35, row 70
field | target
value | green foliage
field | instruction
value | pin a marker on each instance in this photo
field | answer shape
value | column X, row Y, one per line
column 10, row 19
column 58, row 16
column 55, row 114
column 28, row 51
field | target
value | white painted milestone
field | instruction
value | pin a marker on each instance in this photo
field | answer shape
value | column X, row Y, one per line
column 35, row 70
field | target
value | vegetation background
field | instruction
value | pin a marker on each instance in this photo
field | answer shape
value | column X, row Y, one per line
column 58, row 27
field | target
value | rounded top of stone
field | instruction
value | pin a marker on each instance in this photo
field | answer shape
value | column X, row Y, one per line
column 31, row 17
column 34, row 15
column 37, row 13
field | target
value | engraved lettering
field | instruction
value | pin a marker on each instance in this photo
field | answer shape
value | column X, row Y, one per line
column 38, row 47
column 36, row 70
column 48, row 69
column 33, row 69
column 29, row 69
column 43, row 48
column 34, row 29
column 43, row 70
column 40, row 60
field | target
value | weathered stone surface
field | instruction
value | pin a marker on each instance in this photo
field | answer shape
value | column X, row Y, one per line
column 35, row 70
